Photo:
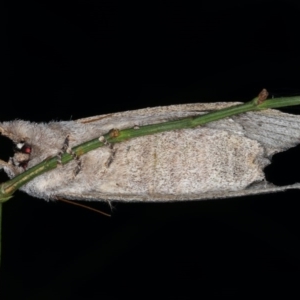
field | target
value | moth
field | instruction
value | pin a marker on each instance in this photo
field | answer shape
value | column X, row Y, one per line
column 222, row 159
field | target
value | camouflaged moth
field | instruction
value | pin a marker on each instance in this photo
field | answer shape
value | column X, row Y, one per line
column 222, row 159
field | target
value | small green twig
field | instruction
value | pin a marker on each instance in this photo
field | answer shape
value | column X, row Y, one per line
column 0, row 232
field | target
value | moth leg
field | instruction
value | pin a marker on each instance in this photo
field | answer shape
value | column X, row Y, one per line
column 110, row 205
column 111, row 148
column 112, row 155
column 63, row 150
column 67, row 149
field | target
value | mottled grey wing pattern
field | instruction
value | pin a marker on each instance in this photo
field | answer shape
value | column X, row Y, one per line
column 275, row 130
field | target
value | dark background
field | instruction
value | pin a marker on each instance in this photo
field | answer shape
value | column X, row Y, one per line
column 69, row 61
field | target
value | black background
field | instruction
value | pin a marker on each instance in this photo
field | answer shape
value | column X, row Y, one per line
column 69, row 61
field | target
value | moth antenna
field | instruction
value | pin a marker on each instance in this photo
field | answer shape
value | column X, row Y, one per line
column 84, row 206
column 67, row 149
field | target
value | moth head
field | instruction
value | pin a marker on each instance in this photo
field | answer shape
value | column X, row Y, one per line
column 22, row 147
column 22, row 154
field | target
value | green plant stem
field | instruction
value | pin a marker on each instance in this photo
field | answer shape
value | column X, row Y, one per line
column 0, row 231
column 8, row 188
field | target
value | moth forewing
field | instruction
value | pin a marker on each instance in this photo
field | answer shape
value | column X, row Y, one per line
column 222, row 159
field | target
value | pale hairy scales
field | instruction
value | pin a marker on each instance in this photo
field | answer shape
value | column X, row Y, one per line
column 221, row 159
